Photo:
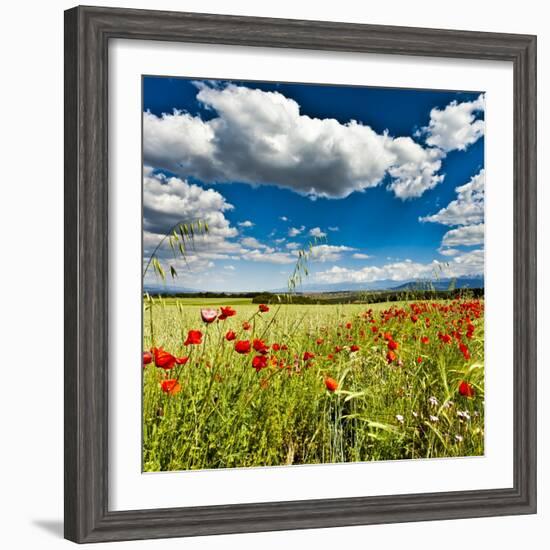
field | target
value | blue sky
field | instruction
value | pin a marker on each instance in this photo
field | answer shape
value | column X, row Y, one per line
column 385, row 184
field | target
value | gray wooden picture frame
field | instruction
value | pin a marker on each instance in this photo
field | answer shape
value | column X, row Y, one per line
column 87, row 34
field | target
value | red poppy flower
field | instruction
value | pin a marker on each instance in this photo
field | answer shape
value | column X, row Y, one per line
column 163, row 359
column 374, row 329
column 348, row 326
column 194, row 337
column 319, row 341
column 355, row 347
column 445, row 338
column 330, row 357
column 209, row 315
column 308, row 355
column 414, row 318
column 465, row 389
column 259, row 362
column 419, row 360
column 338, row 349
column 182, row 360
column 392, row 345
column 387, row 336
column 147, row 357
column 260, row 346
column 391, row 356
column 331, row 384
column 246, row 325
column 242, row 346
column 263, row 308
column 284, row 347
column 230, row 335
column 425, row 340
column 465, row 351
column 171, row 386
column 226, row 312
column 276, row 347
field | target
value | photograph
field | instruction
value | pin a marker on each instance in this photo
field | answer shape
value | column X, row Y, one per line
column 313, row 273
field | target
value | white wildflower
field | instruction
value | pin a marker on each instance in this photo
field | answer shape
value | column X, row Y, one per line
column 434, row 418
column 459, row 438
column 399, row 418
column 433, row 401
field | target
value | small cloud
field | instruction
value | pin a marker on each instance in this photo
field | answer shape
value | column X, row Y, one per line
column 335, row 228
column 229, row 267
column 293, row 246
column 280, row 241
column 283, row 218
column 448, row 251
column 251, row 242
column 246, row 223
column 294, row 231
column 328, row 253
column 316, row 232
column 268, row 256
column 360, row 256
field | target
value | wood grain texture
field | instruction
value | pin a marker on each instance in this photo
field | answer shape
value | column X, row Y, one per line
column 87, row 34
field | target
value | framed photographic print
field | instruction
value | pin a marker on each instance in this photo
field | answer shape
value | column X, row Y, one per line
column 300, row 274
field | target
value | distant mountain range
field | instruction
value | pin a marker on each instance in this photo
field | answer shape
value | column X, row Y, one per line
column 162, row 289
column 443, row 284
column 424, row 284
column 439, row 284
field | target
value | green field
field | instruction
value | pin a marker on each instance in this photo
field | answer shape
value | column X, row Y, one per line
column 203, row 302
column 396, row 397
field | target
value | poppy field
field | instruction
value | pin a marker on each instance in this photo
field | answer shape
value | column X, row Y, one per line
column 247, row 384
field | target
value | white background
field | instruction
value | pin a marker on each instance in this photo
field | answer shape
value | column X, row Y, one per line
column 32, row 151
column 129, row 489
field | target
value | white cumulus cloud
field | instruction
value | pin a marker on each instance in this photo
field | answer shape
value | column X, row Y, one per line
column 328, row 253
column 169, row 200
column 252, row 242
column 467, row 235
column 260, row 137
column 467, row 264
column 469, row 206
column 316, row 232
column 294, row 231
column 268, row 255
column 246, row 223
column 449, row 251
column 456, row 126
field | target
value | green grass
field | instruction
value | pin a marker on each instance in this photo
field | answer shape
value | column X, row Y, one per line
column 206, row 302
column 229, row 415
